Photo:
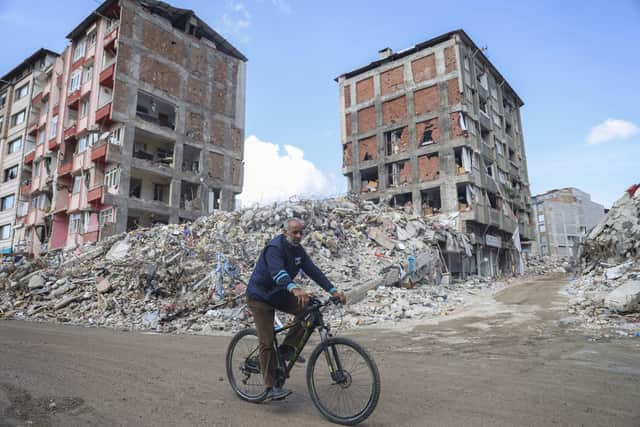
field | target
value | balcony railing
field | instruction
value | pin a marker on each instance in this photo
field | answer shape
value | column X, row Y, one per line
column 95, row 194
column 29, row 157
column 106, row 76
column 65, row 168
column 104, row 113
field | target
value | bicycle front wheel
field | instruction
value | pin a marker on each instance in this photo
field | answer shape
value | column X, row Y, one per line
column 343, row 381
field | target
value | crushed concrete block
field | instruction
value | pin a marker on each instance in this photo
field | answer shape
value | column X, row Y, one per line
column 625, row 298
column 36, row 281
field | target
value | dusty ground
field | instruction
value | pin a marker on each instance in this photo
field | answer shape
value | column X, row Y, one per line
column 504, row 361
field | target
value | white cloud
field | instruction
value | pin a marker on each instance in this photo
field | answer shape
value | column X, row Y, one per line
column 236, row 20
column 273, row 175
column 612, row 129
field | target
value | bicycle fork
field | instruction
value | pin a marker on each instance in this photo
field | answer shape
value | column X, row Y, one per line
column 331, row 355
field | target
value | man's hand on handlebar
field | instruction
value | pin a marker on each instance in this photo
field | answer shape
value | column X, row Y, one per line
column 302, row 296
column 339, row 296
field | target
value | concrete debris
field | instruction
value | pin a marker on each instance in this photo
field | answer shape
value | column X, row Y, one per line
column 192, row 278
column 606, row 295
column 539, row 265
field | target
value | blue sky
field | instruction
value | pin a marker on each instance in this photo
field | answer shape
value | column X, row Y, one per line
column 574, row 63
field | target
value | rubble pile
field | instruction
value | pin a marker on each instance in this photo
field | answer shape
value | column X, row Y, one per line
column 607, row 294
column 393, row 304
column 192, row 278
column 539, row 265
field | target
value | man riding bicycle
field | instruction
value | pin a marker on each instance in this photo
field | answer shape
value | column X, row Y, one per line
column 271, row 287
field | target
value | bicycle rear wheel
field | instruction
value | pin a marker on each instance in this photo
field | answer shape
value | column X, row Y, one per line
column 243, row 366
column 350, row 393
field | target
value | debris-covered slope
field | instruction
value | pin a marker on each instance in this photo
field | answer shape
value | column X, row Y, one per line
column 608, row 291
column 191, row 278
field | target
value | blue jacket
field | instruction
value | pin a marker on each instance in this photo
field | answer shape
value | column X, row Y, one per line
column 277, row 266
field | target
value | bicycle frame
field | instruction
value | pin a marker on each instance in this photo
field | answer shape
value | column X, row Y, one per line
column 313, row 320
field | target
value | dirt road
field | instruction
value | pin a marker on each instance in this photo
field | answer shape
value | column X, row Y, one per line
column 507, row 361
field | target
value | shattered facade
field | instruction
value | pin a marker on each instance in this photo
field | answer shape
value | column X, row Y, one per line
column 563, row 219
column 436, row 129
column 139, row 121
column 16, row 89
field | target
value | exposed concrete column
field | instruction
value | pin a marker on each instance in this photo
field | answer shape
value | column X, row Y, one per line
column 174, row 194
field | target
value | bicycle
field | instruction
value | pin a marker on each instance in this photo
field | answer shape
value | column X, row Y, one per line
column 337, row 391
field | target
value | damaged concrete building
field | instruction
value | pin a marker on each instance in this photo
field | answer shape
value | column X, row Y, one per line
column 16, row 88
column 563, row 219
column 436, row 129
column 139, row 121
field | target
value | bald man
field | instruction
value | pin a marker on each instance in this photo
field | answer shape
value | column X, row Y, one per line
column 271, row 287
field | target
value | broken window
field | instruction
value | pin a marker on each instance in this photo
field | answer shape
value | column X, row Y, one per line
column 190, row 196
column 214, row 199
column 431, row 202
column 190, row 159
column 155, row 148
column 155, row 110
column 135, row 188
column 467, row 195
column 369, row 178
column 404, row 200
column 463, row 157
column 393, row 141
column 160, row 192
column 399, row 173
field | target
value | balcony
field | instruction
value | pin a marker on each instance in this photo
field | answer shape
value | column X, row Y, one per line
column 33, row 129
column 106, row 76
column 483, row 92
column 70, row 131
column 29, row 157
column 110, row 40
column 62, row 201
column 95, row 194
column 485, row 121
column 35, row 217
column 25, row 188
column 103, row 115
column 54, row 144
column 73, row 100
column 46, row 91
column 65, row 168
column 99, row 152
column 494, row 217
column 36, row 99
column 77, row 63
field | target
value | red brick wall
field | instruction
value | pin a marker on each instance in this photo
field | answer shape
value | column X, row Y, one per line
column 432, row 125
column 456, row 131
column 405, row 172
column 217, row 100
column 394, row 111
column 392, row 80
column 160, row 75
column 347, row 123
column 220, row 69
column 426, row 100
column 453, row 91
column 163, row 42
column 236, row 139
column 366, row 119
column 428, row 167
column 450, row 59
column 368, row 148
column 196, row 91
column 197, row 61
column 364, row 90
column 216, row 130
column 347, row 155
column 424, row 68
column 216, row 165
column 194, row 125
column 347, row 96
